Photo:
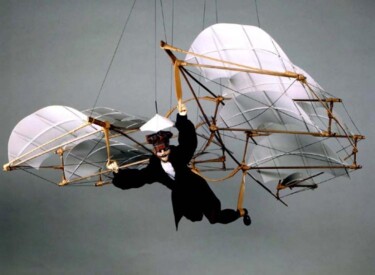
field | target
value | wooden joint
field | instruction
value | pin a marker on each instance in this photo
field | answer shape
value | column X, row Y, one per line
column 104, row 124
column 63, row 182
column 179, row 63
column 280, row 186
column 60, row 151
column 331, row 99
column 102, row 183
column 213, row 128
column 220, row 99
column 358, row 137
column 7, row 167
column 325, row 134
column 355, row 166
column 301, row 77
column 251, row 134
column 244, row 167
column 241, row 211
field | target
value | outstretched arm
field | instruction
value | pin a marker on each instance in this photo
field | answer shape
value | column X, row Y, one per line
column 187, row 137
column 132, row 178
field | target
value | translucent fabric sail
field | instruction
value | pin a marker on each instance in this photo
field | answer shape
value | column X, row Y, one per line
column 264, row 110
column 81, row 145
column 274, row 96
column 116, row 118
column 318, row 114
column 283, row 151
column 240, row 44
column 37, row 136
column 291, row 87
column 89, row 157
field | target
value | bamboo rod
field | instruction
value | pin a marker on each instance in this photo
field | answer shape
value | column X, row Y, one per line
column 254, row 132
column 245, row 68
column 353, row 166
column 66, row 182
column 241, row 195
column 321, row 100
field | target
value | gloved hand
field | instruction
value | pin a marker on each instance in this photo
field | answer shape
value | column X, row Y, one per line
column 113, row 166
column 182, row 110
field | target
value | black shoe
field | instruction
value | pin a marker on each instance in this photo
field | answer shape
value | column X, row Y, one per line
column 246, row 217
column 246, row 220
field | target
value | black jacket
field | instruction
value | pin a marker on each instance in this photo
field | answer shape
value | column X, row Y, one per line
column 191, row 195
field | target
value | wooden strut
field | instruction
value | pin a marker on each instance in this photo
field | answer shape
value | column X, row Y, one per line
column 241, row 195
column 237, row 67
column 144, row 161
column 329, row 112
column 106, row 127
column 244, row 169
column 60, row 152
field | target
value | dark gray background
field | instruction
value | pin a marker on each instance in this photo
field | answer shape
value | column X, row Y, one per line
column 58, row 52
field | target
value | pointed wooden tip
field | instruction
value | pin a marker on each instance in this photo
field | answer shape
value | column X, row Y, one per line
column 6, row 167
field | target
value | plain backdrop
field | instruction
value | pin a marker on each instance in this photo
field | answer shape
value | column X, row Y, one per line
column 59, row 52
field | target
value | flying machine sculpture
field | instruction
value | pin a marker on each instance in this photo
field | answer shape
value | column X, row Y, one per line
column 268, row 120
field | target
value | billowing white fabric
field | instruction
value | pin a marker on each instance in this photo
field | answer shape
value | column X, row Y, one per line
column 241, row 44
column 290, row 151
column 264, row 110
column 42, row 127
column 116, row 118
column 90, row 156
column 267, row 102
column 318, row 114
column 157, row 123
column 39, row 135
column 294, row 89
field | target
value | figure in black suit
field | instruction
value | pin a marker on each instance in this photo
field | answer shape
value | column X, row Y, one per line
column 191, row 195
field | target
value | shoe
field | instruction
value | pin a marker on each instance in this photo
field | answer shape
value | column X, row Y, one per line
column 246, row 217
column 246, row 220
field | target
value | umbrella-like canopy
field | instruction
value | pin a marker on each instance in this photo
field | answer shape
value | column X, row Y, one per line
column 157, row 123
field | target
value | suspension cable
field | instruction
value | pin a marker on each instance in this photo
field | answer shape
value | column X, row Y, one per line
column 155, row 66
column 256, row 9
column 113, row 56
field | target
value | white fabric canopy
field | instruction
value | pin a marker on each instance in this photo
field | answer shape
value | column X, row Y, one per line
column 267, row 102
column 90, row 157
column 36, row 137
column 157, row 123
column 294, row 150
column 51, row 127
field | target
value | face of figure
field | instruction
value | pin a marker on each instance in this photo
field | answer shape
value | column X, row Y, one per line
column 163, row 154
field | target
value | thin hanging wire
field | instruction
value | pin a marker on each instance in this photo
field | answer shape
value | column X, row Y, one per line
column 156, row 47
column 155, row 66
column 113, row 56
column 351, row 119
column 204, row 15
column 203, row 25
column 171, row 71
column 38, row 176
column 256, row 9
column 216, row 13
column 162, row 14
